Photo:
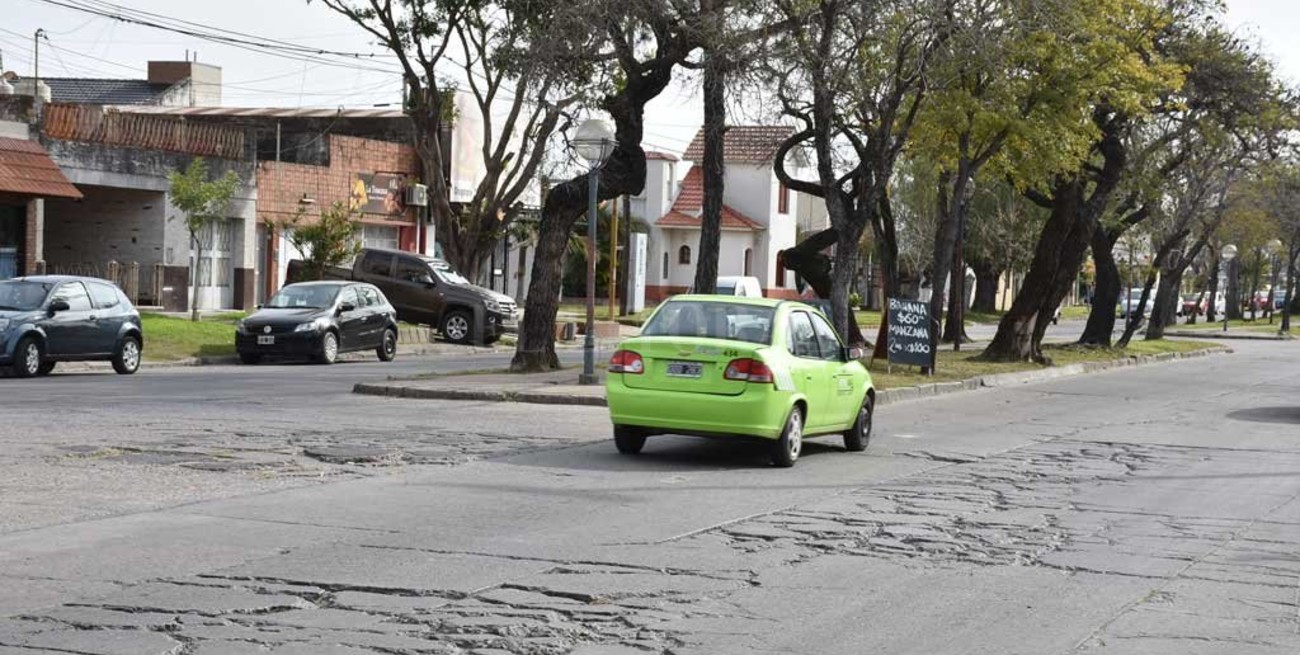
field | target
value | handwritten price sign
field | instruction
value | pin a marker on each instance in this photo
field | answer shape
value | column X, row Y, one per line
column 909, row 333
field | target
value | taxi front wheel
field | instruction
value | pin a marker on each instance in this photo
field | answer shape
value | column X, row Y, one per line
column 629, row 440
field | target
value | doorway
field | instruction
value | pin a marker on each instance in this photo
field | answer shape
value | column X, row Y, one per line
column 13, row 237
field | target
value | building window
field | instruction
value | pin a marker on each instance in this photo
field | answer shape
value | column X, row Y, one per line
column 684, row 255
column 665, row 276
column 749, row 262
column 783, row 199
column 780, row 269
column 379, row 236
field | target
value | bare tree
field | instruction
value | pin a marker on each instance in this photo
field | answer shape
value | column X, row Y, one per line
column 853, row 75
column 522, row 103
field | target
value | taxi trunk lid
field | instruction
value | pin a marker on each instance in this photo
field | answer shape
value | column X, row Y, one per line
column 694, row 365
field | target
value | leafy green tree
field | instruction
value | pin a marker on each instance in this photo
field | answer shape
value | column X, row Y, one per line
column 329, row 241
column 202, row 203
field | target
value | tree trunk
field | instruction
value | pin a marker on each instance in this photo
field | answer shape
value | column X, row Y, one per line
column 1291, row 269
column 715, row 125
column 954, row 325
column 194, row 291
column 1163, row 312
column 986, row 286
column 623, row 174
column 1058, row 256
column 808, row 261
column 1232, row 301
column 1211, row 313
column 1101, row 316
column 1254, row 283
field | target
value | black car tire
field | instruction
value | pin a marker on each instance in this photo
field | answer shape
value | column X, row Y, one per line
column 250, row 358
column 126, row 359
column 785, row 451
column 387, row 350
column 28, row 356
column 329, row 348
column 457, row 326
column 46, row 368
column 628, row 440
column 858, row 437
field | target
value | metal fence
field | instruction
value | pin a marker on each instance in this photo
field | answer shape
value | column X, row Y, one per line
column 142, row 284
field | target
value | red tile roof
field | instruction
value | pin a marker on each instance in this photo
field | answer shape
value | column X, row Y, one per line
column 25, row 168
column 652, row 155
column 744, row 144
column 690, row 202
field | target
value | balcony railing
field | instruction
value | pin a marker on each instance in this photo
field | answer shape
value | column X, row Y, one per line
column 95, row 124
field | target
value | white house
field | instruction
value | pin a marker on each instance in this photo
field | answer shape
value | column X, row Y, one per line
column 759, row 215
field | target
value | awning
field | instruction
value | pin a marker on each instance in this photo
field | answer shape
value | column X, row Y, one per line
column 26, row 169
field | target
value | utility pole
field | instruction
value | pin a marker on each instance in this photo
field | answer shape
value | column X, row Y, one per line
column 36, row 61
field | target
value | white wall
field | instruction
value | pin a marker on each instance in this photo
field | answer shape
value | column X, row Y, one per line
column 108, row 224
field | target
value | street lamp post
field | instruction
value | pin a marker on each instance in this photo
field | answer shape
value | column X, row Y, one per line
column 1228, row 253
column 594, row 142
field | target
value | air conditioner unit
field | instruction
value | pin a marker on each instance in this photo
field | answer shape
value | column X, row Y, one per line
column 417, row 195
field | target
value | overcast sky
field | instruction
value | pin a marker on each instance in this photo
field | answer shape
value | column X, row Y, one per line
column 81, row 45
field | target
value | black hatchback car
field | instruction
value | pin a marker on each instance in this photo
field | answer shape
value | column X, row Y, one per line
column 55, row 318
column 319, row 320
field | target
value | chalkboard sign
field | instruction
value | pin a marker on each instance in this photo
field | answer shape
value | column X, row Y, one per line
column 909, row 333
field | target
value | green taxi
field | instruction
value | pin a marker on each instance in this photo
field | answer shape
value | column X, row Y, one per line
column 748, row 367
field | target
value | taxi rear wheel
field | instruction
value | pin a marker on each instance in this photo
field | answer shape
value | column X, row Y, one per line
column 629, row 440
column 858, row 437
column 785, row 451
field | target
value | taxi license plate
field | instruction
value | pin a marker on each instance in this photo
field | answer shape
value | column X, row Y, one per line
column 685, row 369
column 266, row 340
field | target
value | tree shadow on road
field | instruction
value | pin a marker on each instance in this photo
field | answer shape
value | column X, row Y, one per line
column 1267, row 414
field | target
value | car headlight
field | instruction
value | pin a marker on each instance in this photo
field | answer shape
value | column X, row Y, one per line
column 492, row 305
column 314, row 326
column 4, row 324
column 239, row 326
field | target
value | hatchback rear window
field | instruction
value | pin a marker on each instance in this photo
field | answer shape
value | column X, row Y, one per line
column 715, row 320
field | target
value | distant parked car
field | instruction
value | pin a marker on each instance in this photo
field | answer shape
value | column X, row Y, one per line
column 1194, row 304
column 429, row 291
column 1130, row 303
column 50, row 319
column 740, row 286
column 319, row 320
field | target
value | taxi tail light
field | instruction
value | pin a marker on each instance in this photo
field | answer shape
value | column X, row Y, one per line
column 748, row 370
column 626, row 361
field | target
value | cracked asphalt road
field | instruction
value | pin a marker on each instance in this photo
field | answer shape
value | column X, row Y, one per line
column 1150, row 510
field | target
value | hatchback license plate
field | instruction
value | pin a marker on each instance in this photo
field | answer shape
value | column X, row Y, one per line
column 267, row 340
column 684, row 369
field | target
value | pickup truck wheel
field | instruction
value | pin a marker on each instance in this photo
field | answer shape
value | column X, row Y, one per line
column 388, row 349
column 250, row 358
column 628, row 440
column 457, row 326
column 329, row 348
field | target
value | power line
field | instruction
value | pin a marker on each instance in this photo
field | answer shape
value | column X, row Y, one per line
column 250, row 43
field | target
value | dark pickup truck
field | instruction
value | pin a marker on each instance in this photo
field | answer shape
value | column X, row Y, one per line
column 427, row 290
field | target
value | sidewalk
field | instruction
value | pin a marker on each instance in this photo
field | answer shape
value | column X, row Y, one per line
column 552, row 388
column 1235, row 333
column 562, row 388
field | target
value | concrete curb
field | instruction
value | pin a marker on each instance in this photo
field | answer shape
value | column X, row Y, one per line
column 883, row 397
column 1211, row 334
column 902, row 394
column 484, row 395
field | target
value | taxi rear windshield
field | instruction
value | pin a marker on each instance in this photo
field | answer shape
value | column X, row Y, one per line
column 714, row 320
